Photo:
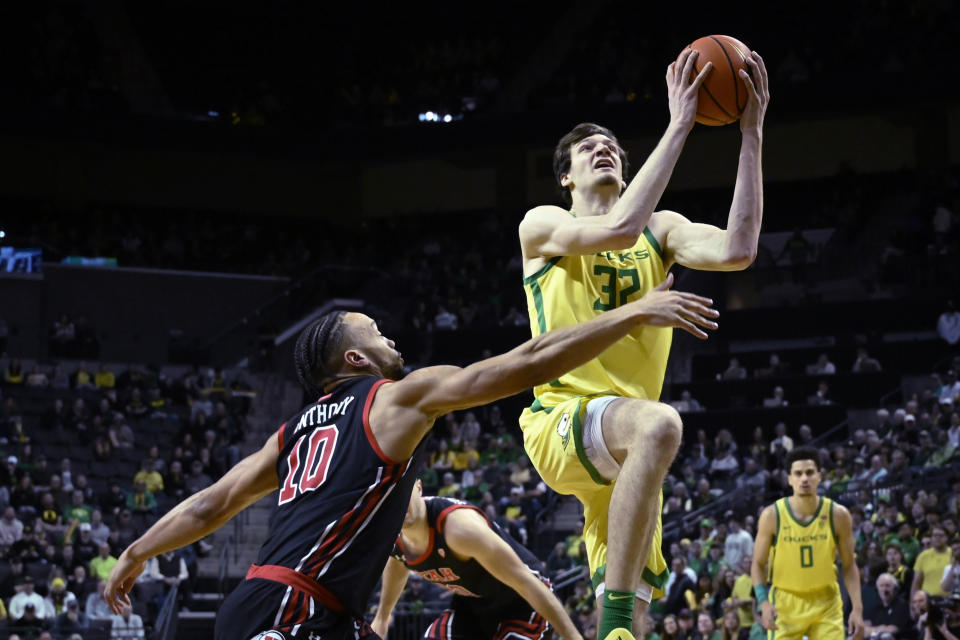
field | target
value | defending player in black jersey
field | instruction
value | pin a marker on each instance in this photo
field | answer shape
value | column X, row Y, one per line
column 497, row 588
column 345, row 466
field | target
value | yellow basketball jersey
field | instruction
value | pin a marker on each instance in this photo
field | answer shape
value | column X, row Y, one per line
column 573, row 289
column 803, row 556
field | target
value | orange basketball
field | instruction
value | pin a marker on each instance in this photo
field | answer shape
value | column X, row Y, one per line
column 722, row 95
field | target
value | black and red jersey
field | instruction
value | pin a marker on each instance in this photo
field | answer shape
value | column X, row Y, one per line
column 341, row 503
column 438, row 564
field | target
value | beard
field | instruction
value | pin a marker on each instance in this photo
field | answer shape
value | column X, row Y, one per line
column 393, row 370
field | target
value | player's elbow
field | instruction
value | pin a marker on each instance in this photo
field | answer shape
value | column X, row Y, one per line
column 738, row 259
column 623, row 234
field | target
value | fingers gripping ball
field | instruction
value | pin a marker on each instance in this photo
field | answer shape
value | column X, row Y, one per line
column 722, row 95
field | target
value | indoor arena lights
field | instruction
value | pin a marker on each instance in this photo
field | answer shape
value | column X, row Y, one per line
column 434, row 116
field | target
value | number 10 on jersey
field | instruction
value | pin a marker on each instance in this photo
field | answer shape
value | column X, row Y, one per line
column 317, row 454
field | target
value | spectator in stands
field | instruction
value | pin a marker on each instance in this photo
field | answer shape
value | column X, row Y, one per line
column 686, row 403
column 197, row 480
column 706, row 628
column 26, row 597
column 149, row 475
column 822, row 367
column 24, row 499
column 741, row 598
column 11, row 527
column 703, row 495
column 450, row 487
column 931, row 563
column 753, row 477
column 13, row 374
column 864, row 363
column 80, row 584
column 56, row 602
column 99, row 531
column 136, row 407
column 126, row 532
column 104, row 378
column 773, row 369
column 948, row 324
column 776, row 400
column 170, row 570
column 950, row 582
column 724, row 467
column 127, row 625
column 889, row 617
column 822, row 396
column 37, row 379
column 59, row 379
column 442, row 458
column 79, row 510
column 120, row 433
column 73, row 620
column 142, row 500
column 943, row 452
column 558, row 561
column 732, row 628
column 27, row 548
column 96, row 607
column 115, row 500
column 781, row 438
column 31, row 618
column 103, row 563
column 738, row 543
column 734, row 371
column 175, row 482
column 953, row 431
column 444, row 320
column 949, row 391
column 50, row 515
column 924, row 450
column 82, row 378
column 877, row 471
column 680, row 584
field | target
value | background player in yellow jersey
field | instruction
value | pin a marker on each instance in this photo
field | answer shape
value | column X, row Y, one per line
column 798, row 539
column 600, row 432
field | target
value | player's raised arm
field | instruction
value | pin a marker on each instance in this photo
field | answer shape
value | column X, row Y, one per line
column 846, row 547
column 706, row 247
column 468, row 534
column 766, row 529
column 598, row 160
column 196, row 517
column 404, row 411
column 391, row 588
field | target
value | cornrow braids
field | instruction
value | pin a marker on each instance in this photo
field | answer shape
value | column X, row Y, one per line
column 315, row 344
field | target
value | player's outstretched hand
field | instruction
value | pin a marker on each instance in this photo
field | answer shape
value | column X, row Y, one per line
column 117, row 591
column 758, row 93
column 768, row 617
column 855, row 625
column 690, row 312
column 681, row 91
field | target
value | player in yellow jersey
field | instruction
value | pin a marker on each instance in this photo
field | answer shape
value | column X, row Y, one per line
column 600, row 432
column 794, row 560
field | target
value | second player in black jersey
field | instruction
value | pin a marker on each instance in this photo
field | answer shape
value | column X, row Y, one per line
column 498, row 591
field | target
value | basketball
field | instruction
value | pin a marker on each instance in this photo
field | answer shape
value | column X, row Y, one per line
column 722, row 95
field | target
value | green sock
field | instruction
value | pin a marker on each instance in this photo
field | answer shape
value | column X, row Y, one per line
column 617, row 612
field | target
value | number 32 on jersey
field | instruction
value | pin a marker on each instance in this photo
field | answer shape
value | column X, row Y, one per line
column 316, row 451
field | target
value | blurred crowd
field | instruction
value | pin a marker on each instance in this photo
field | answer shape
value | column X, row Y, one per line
column 92, row 455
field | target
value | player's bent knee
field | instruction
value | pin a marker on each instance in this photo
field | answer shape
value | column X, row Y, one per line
column 666, row 430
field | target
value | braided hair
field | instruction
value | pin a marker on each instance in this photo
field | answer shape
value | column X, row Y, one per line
column 314, row 349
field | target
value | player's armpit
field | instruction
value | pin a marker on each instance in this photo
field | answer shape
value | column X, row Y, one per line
column 551, row 231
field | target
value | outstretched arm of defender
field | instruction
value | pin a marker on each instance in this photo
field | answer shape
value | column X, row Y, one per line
column 394, row 580
column 550, row 231
column 404, row 411
column 709, row 248
column 199, row 515
column 846, row 546
column 766, row 529
column 468, row 534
